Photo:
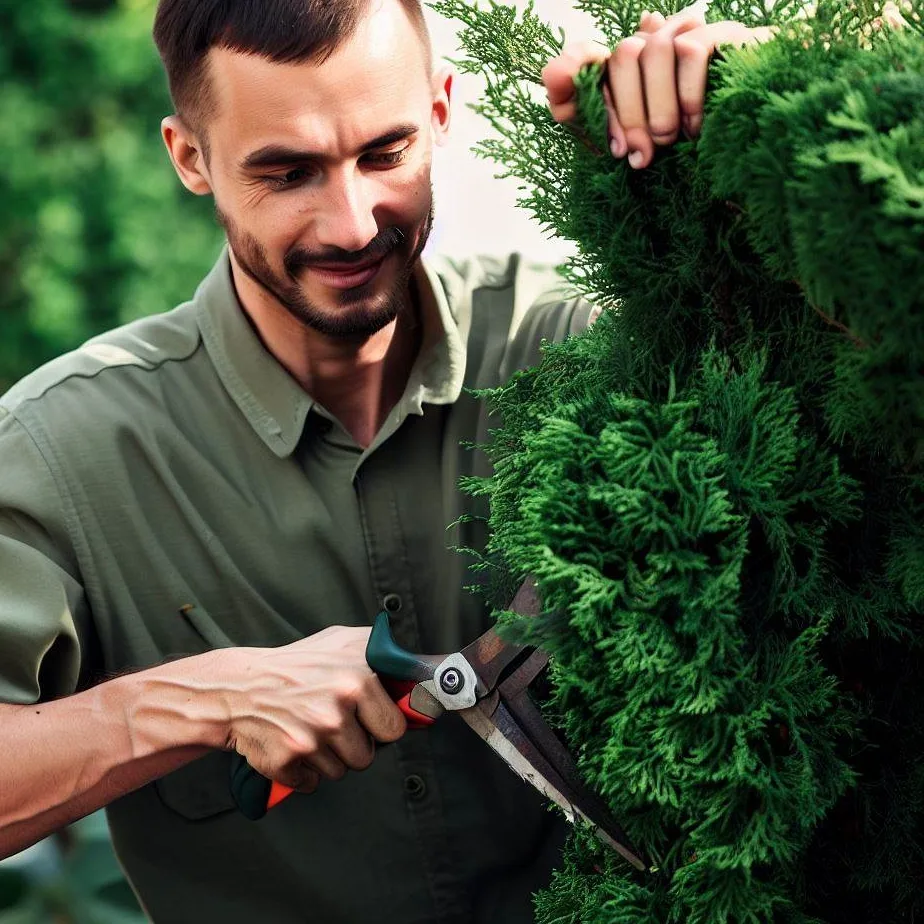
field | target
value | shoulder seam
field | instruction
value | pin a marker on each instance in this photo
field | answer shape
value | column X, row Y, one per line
column 145, row 367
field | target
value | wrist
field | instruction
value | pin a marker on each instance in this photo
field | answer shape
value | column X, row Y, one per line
column 179, row 704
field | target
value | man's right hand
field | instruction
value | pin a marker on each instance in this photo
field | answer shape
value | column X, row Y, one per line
column 298, row 713
column 306, row 711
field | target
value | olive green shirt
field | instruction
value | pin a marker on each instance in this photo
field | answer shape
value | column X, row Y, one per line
column 168, row 488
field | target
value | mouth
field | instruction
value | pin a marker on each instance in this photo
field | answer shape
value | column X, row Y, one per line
column 346, row 275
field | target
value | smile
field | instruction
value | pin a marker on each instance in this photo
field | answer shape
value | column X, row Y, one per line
column 345, row 276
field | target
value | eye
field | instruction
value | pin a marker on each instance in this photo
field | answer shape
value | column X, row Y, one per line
column 290, row 179
column 387, row 158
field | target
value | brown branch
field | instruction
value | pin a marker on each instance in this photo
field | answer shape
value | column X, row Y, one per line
column 585, row 139
column 833, row 322
column 843, row 328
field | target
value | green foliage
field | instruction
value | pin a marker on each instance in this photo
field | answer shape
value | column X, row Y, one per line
column 95, row 228
column 719, row 487
column 75, row 880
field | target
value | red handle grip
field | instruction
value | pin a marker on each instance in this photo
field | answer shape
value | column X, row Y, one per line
column 278, row 792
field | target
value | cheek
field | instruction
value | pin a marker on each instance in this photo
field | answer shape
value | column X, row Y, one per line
column 411, row 195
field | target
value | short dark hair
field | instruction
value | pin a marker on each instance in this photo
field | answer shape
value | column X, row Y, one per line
column 282, row 31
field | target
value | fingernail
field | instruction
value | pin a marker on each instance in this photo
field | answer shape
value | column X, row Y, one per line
column 635, row 159
column 617, row 147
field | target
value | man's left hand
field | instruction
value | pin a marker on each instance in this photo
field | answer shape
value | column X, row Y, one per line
column 655, row 83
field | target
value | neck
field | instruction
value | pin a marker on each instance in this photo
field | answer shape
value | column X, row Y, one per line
column 358, row 381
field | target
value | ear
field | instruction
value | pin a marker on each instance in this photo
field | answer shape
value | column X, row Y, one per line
column 442, row 92
column 186, row 155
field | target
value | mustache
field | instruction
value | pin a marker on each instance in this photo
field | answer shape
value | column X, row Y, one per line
column 380, row 246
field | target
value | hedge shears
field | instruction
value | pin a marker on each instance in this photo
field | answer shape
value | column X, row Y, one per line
column 487, row 684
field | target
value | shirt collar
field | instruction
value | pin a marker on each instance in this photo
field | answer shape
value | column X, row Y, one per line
column 275, row 405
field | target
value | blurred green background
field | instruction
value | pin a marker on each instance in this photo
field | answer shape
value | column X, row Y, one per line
column 95, row 230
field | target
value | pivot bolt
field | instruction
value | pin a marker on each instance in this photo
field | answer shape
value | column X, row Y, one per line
column 451, row 680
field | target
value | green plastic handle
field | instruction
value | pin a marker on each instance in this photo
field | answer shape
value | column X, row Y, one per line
column 253, row 793
column 250, row 789
column 388, row 659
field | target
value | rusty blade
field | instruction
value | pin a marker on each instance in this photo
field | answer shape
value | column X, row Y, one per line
column 489, row 655
column 514, row 728
column 504, row 734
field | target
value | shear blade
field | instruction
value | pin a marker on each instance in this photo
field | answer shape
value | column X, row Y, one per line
column 501, row 732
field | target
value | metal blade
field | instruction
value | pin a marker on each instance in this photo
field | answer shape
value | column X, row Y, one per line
column 514, row 728
column 489, row 655
column 505, row 737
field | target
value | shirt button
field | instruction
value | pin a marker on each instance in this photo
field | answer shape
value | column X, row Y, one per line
column 392, row 603
column 415, row 787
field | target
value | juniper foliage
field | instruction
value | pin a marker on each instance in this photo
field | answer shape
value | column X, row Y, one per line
column 719, row 486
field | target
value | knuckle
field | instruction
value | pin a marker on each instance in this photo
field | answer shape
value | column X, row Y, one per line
column 689, row 20
column 351, row 688
column 628, row 51
column 688, row 45
column 658, row 44
column 301, row 745
column 330, row 723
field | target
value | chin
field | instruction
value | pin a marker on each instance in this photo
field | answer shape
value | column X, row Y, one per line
column 355, row 314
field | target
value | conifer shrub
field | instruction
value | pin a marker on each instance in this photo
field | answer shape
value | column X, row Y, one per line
column 718, row 487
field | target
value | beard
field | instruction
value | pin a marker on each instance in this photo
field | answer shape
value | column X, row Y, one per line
column 359, row 312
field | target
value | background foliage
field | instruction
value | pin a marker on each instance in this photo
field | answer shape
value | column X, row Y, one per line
column 95, row 229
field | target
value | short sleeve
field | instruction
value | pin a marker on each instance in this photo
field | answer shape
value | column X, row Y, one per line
column 42, row 601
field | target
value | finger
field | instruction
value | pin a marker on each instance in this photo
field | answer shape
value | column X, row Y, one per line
column 892, row 16
column 311, row 783
column 693, row 50
column 694, row 12
column 378, row 714
column 625, row 82
column 558, row 77
column 354, row 747
column 659, row 79
column 651, row 22
column 326, row 763
column 298, row 775
column 618, row 146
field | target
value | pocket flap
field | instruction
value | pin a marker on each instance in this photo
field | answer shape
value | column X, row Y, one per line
column 201, row 788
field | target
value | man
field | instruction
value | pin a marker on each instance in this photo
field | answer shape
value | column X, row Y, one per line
column 201, row 513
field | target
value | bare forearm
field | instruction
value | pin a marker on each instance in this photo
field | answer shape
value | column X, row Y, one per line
column 62, row 760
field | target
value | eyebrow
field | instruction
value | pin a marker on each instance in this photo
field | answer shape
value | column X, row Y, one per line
column 279, row 155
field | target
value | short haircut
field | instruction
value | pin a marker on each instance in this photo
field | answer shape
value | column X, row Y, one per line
column 282, row 31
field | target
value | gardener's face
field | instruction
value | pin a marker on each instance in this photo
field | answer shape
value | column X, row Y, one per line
column 321, row 172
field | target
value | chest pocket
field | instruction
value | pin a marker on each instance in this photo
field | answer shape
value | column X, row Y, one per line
column 201, row 789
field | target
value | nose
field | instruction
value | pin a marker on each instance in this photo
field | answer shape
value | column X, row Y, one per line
column 345, row 219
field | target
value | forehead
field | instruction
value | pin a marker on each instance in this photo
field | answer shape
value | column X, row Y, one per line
column 377, row 77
